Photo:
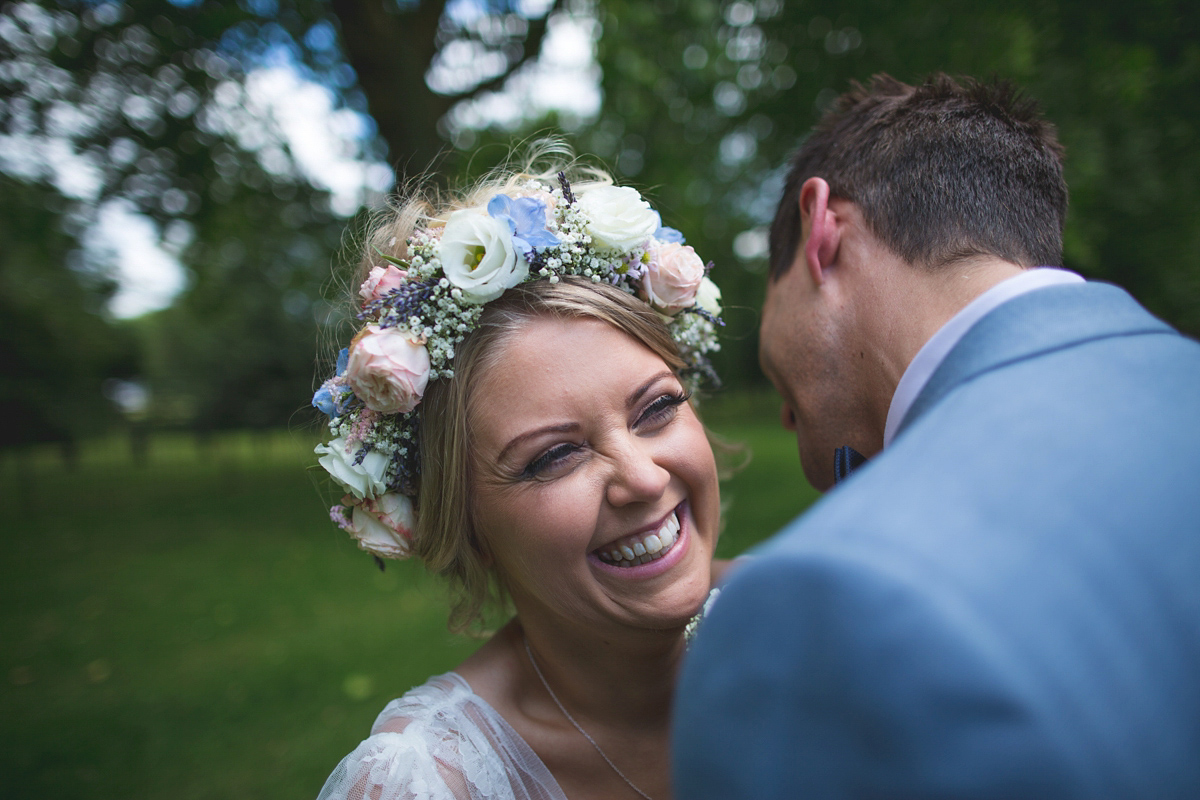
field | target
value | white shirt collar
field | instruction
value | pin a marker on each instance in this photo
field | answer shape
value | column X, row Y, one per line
column 931, row 355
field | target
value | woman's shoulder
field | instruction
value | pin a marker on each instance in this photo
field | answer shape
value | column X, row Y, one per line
column 441, row 741
column 433, row 705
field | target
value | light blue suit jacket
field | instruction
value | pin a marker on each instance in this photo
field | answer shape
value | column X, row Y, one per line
column 1005, row 603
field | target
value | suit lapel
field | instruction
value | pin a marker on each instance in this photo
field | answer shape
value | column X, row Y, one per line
column 1033, row 324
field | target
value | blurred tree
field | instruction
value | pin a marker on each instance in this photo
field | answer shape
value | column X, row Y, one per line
column 236, row 349
column 704, row 101
column 414, row 61
column 153, row 104
column 56, row 347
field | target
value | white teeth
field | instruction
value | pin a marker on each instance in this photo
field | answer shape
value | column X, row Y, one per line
column 649, row 548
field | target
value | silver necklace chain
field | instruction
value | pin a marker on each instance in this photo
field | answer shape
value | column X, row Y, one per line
column 577, row 726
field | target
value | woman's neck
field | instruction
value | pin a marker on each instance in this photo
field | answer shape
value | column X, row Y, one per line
column 615, row 686
column 618, row 679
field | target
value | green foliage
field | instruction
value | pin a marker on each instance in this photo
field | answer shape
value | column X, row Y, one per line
column 704, row 100
column 198, row 628
column 238, row 349
column 147, row 98
column 56, row 347
column 150, row 99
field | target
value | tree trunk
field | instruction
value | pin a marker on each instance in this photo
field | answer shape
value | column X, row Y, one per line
column 391, row 51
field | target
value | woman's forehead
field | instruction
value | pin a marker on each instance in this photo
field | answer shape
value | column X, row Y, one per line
column 554, row 364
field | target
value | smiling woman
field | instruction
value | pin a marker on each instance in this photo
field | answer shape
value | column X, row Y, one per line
column 516, row 413
column 596, row 492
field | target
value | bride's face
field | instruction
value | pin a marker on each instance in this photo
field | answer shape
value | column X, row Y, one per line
column 586, row 453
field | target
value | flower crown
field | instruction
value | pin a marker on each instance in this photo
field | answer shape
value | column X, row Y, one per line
column 419, row 309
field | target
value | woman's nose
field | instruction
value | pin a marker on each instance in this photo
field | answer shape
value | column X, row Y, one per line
column 637, row 476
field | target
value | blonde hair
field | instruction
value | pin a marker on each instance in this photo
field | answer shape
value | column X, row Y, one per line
column 446, row 538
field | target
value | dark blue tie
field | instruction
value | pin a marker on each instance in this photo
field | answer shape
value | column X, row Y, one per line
column 845, row 460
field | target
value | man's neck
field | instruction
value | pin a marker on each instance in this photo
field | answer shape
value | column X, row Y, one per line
column 908, row 305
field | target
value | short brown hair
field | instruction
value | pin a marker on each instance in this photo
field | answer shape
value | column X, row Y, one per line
column 942, row 172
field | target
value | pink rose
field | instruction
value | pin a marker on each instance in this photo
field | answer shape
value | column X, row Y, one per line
column 672, row 277
column 380, row 281
column 388, row 369
column 383, row 526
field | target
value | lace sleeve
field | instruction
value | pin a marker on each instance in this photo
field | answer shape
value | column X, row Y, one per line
column 441, row 741
column 394, row 766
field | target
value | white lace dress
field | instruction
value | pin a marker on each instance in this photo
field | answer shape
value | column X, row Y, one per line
column 441, row 741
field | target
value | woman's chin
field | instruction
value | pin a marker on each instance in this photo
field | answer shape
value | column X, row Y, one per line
column 675, row 585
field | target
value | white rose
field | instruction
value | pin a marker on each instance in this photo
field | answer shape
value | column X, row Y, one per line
column 478, row 256
column 617, row 216
column 361, row 480
column 384, row 526
column 708, row 297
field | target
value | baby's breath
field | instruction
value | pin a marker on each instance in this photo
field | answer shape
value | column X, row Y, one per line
column 440, row 315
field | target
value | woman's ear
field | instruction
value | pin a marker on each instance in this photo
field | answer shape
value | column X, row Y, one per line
column 822, row 234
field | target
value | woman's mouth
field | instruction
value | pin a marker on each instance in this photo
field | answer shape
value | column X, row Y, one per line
column 642, row 548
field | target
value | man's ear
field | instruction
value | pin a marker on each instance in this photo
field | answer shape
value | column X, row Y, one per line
column 820, row 226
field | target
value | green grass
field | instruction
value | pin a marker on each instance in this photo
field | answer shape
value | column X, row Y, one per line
column 196, row 628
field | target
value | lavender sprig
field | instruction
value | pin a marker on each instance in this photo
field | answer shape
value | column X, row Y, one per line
column 708, row 315
column 566, row 187
column 537, row 261
column 406, row 301
column 406, row 469
column 361, row 454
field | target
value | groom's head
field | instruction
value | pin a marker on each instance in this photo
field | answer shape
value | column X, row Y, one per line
column 902, row 202
column 941, row 172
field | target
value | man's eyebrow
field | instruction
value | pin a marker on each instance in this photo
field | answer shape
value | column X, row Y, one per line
column 566, row 427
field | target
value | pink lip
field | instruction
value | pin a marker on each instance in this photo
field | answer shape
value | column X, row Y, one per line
column 653, row 568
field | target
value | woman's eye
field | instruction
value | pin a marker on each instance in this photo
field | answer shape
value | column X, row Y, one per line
column 554, row 457
column 662, row 409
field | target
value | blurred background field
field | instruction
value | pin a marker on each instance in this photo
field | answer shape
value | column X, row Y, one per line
column 183, row 184
column 193, row 627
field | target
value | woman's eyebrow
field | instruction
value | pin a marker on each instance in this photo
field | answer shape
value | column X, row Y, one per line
column 566, row 427
column 637, row 393
column 570, row 427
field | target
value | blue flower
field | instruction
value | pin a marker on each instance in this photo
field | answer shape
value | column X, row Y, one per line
column 329, row 398
column 526, row 218
column 324, row 401
column 667, row 235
